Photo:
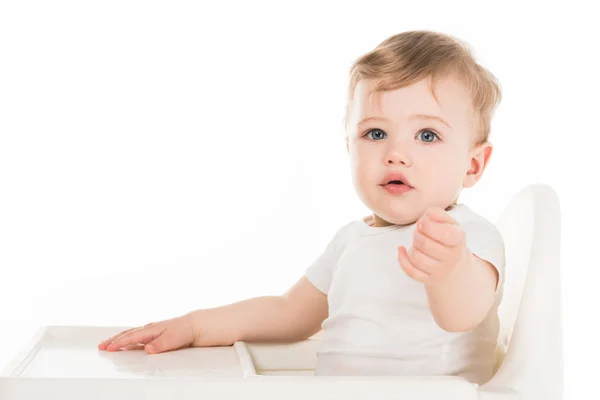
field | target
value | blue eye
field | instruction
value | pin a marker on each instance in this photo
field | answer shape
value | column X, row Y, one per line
column 428, row 136
column 376, row 134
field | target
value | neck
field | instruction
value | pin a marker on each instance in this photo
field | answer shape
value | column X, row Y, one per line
column 379, row 222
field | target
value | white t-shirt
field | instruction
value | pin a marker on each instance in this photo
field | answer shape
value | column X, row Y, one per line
column 379, row 320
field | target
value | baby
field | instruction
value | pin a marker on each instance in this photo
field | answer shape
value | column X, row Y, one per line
column 414, row 288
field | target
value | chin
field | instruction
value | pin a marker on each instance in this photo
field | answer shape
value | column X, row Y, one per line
column 400, row 214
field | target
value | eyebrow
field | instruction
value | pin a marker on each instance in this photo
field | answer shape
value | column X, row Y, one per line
column 414, row 116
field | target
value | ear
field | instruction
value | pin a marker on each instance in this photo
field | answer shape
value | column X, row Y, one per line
column 479, row 159
column 347, row 145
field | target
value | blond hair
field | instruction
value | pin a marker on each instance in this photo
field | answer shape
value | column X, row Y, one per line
column 406, row 58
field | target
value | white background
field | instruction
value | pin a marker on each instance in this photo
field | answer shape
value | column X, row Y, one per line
column 158, row 157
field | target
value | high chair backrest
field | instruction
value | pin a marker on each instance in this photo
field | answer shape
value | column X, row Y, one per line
column 530, row 341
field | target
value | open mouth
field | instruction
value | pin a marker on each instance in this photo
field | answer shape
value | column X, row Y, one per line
column 396, row 183
column 396, row 186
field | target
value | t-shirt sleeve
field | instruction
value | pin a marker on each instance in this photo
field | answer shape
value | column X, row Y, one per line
column 485, row 241
column 320, row 272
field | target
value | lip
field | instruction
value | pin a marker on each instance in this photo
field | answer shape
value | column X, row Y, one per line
column 397, row 189
column 395, row 176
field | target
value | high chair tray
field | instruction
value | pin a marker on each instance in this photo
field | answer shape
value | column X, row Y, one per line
column 63, row 362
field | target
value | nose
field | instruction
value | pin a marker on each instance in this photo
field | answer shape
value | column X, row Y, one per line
column 397, row 156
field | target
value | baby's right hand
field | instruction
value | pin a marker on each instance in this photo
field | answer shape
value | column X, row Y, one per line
column 156, row 337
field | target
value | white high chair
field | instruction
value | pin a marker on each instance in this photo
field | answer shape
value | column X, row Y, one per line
column 63, row 362
column 530, row 345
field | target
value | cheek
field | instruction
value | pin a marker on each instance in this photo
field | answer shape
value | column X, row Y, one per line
column 443, row 172
column 354, row 160
column 364, row 169
column 362, row 159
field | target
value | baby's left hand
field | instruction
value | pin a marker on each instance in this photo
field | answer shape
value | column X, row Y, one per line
column 439, row 247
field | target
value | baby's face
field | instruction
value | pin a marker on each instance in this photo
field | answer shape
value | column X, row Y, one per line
column 390, row 137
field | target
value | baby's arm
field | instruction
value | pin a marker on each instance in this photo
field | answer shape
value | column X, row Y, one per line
column 460, row 286
column 462, row 301
column 296, row 315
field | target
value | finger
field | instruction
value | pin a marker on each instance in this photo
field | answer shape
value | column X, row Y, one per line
column 130, row 347
column 443, row 233
column 120, row 335
column 142, row 335
column 137, row 336
column 407, row 266
column 168, row 340
column 102, row 345
column 432, row 248
column 422, row 261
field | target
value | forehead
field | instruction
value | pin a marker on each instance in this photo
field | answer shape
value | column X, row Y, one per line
column 453, row 103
